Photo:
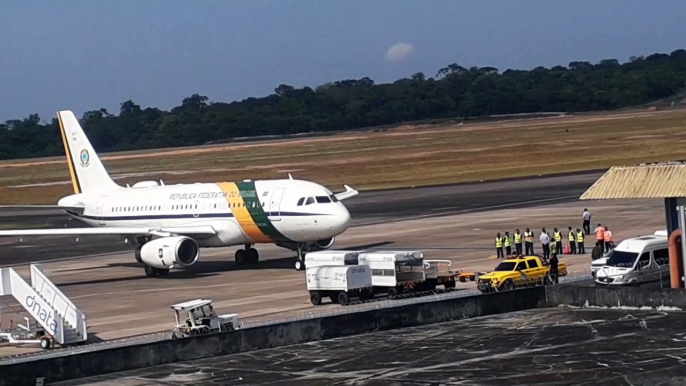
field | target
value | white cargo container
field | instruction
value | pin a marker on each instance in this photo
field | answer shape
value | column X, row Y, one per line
column 395, row 271
column 319, row 258
column 339, row 283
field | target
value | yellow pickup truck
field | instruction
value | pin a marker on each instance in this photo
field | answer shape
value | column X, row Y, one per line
column 526, row 271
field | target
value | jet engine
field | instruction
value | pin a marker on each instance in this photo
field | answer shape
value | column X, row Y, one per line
column 168, row 252
column 324, row 243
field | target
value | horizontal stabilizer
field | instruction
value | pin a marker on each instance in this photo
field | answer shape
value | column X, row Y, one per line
column 27, row 208
column 349, row 192
column 115, row 231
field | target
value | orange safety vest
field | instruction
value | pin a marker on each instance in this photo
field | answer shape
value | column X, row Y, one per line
column 600, row 234
column 608, row 236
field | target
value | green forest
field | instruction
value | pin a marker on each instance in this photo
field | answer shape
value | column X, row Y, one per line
column 453, row 92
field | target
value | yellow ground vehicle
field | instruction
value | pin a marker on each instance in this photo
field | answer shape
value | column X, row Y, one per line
column 525, row 271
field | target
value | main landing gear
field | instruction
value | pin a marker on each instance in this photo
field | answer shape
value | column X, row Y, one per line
column 153, row 272
column 249, row 255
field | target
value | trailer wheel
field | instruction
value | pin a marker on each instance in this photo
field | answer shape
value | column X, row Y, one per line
column 450, row 284
column 45, row 343
column 472, row 278
column 392, row 292
column 463, row 279
column 315, row 298
column 343, row 299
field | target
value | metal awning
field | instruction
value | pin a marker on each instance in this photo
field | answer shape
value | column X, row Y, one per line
column 659, row 180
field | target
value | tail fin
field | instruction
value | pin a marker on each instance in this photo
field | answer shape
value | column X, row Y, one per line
column 87, row 172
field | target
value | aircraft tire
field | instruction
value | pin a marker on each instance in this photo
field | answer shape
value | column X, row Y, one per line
column 253, row 256
column 299, row 265
column 240, row 257
column 151, row 271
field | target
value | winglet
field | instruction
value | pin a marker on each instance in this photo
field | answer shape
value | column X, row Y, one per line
column 349, row 192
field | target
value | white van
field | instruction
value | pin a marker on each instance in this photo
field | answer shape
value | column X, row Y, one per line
column 634, row 261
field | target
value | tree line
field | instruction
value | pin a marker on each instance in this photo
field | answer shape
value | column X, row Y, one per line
column 454, row 91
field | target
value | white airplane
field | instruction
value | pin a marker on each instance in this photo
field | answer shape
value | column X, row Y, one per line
column 169, row 223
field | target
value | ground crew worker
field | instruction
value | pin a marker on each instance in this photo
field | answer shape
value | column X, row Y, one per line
column 572, row 241
column 553, row 250
column 518, row 242
column 508, row 244
column 499, row 246
column 529, row 242
column 600, row 237
column 558, row 239
column 607, row 235
column 587, row 221
column 580, row 241
column 545, row 242
column 554, row 273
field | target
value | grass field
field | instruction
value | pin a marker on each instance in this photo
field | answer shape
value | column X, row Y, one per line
column 405, row 156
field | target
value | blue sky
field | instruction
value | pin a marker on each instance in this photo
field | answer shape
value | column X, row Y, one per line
column 86, row 54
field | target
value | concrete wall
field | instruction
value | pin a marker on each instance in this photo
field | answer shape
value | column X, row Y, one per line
column 615, row 297
column 144, row 355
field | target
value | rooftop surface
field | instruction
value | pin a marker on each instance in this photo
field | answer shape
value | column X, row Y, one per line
column 558, row 346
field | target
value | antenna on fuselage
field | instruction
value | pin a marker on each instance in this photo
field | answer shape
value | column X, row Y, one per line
column 290, row 177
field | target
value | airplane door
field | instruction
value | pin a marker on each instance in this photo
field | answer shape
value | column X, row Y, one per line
column 100, row 209
column 196, row 208
column 275, row 204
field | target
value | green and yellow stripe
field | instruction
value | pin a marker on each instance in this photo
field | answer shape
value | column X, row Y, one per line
column 70, row 161
column 247, row 209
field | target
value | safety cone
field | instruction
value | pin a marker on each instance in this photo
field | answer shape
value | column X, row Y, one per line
column 568, row 250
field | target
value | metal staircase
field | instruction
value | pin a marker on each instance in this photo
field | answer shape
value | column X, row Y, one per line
column 46, row 303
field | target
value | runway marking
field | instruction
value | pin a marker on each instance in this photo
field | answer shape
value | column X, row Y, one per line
column 63, row 259
column 467, row 210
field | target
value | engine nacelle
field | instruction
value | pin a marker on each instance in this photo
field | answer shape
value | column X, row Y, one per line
column 324, row 243
column 169, row 252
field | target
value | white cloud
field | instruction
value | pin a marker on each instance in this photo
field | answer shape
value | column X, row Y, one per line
column 399, row 51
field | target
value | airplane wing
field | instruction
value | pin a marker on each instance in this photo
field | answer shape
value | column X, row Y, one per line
column 349, row 192
column 190, row 231
column 11, row 208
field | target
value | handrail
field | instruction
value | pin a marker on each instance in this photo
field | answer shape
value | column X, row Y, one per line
column 58, row 300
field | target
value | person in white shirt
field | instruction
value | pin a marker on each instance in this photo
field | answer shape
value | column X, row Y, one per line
column 545, row 242
column 587, row 221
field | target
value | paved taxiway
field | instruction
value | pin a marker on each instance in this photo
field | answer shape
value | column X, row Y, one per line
column 558, row 346
column 445, row 222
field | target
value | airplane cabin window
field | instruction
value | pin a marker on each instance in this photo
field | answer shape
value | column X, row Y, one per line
column 300, row 201
column 310, row 201
column 323, row 199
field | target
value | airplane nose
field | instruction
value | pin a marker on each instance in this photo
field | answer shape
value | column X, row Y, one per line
column 343, row 219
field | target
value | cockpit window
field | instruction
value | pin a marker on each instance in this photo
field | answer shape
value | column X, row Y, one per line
column 323, row 199
column 310, row 201
column 300, row 201
column 333, row 198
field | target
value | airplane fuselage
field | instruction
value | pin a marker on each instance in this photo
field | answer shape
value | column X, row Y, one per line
column 246, row 212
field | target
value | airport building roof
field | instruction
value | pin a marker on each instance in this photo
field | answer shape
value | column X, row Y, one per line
column 660, row 180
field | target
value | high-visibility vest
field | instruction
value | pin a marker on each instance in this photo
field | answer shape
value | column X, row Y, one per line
column 600, row 234
column 608, row 236
column 518, row 238
column 507, row 241
column 553, row 248
column 558, row 236
column 580, row 236
column 571, row 236
column 529, row 237
column 498, row 242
